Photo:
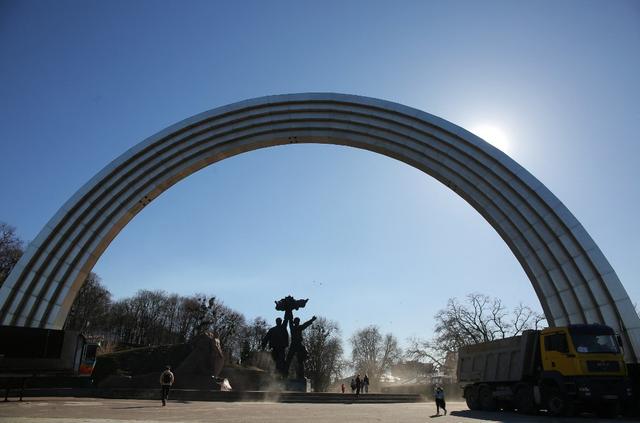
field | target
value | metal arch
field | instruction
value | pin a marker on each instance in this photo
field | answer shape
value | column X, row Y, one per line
column 572, row 278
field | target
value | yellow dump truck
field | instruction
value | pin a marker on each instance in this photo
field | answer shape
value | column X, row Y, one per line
column 563, row 370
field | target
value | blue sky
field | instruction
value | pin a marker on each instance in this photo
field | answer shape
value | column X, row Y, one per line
column 368, row 239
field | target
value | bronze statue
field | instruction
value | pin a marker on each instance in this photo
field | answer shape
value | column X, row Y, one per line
column 278, row 339
column 297, row 347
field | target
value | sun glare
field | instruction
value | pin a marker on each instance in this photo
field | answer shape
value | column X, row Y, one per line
column 493, row 135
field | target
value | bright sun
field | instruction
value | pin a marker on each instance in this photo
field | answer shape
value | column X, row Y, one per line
column 493, row 135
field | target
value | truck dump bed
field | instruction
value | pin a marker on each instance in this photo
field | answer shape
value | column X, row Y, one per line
column 503, row 360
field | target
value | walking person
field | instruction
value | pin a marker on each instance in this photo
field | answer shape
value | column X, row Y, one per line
column 353, row 386
column 358, row 384
column 342, row 388
column 365, row 383
column 439, row 395
column 166, row 380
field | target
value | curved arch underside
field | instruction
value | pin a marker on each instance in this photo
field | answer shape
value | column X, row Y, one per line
column 571, row 277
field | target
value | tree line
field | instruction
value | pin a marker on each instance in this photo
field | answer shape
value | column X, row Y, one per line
column 151, row 317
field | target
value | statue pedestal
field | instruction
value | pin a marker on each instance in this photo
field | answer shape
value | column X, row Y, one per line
column 297, row 385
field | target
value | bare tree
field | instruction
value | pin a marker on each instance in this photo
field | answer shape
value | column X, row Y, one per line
column 372, row 353
column 251, row 340
column 425, row 351
column 324, row 346
column 229, row 329
column 523, row 317
column 189, row 317
column 480, row 319
column 10, row 250
column 91, row 307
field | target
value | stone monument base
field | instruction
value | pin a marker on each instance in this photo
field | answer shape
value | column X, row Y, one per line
column 297, row 385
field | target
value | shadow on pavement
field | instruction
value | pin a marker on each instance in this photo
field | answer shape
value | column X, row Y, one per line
column 504, row 416
column 501, row 416
column 135, row 406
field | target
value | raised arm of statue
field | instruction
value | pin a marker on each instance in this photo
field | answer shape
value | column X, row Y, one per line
column 307, row 323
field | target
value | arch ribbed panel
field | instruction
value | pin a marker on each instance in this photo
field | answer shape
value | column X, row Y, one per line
column 571, row 277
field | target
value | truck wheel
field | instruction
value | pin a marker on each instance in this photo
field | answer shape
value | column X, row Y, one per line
column 609, row 409
column 569, row 409
column 471, row 396
column 556, row 402
column 487, row 402
column 524, row 400
column 506, row 405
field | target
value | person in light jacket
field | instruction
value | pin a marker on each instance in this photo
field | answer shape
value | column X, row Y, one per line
column 166, row 380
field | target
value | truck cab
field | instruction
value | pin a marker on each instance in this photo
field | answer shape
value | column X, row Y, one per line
column 582, row 350
column 585, row 363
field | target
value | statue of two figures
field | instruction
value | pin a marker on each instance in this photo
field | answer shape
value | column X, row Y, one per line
column 278, row 338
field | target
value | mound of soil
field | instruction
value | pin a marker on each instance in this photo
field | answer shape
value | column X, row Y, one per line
column 141, row 368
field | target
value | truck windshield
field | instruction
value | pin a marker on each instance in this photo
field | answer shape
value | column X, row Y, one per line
column 594, row 342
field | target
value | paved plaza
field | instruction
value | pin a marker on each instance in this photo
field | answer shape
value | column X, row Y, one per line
column 76, row 410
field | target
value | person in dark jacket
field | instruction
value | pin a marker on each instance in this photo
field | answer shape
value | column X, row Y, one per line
column 166, row 380
column 439, row 395
column 358, row 384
